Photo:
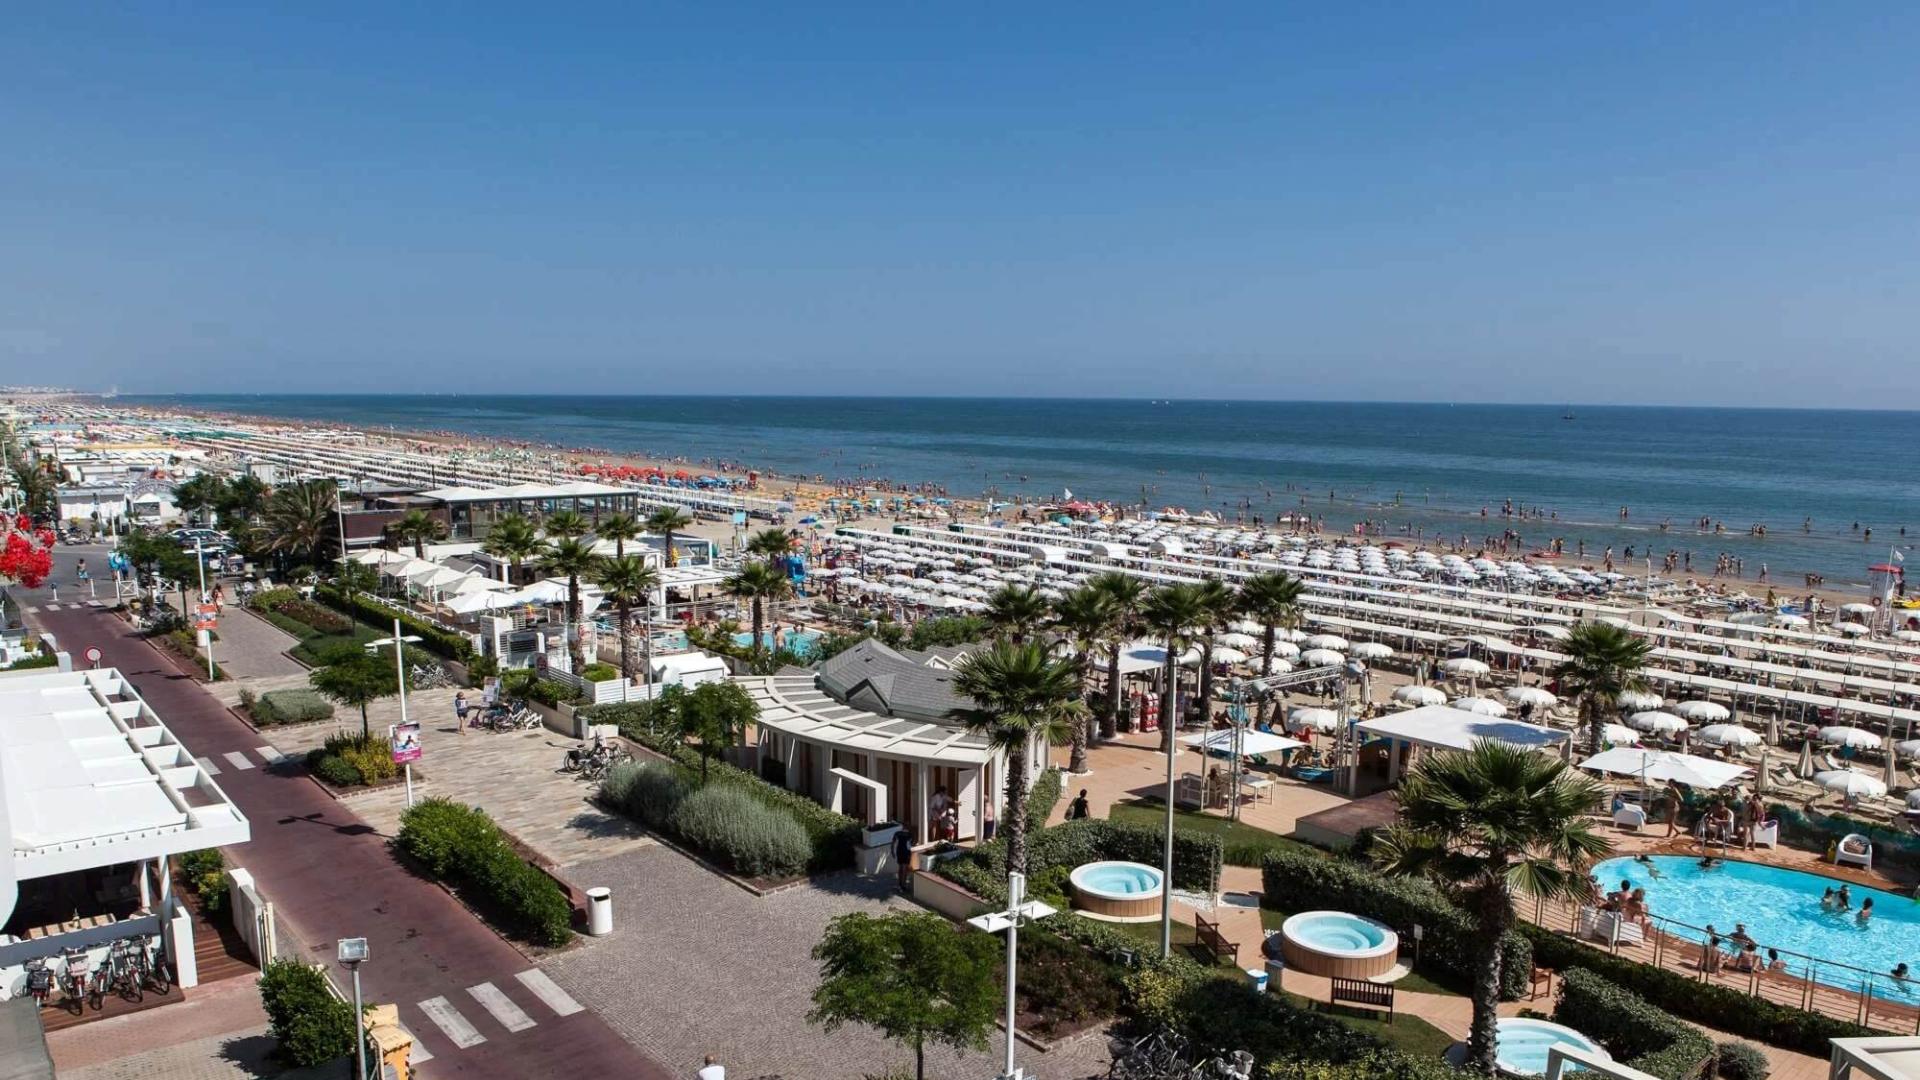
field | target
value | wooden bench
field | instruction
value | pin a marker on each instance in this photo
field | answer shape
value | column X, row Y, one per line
column 1214, row 941
column 1361, row 992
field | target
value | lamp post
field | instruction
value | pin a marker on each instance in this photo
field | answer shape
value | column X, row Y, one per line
column 200, row 561
column 399, row 644
column 1009, row 920
column 353, row 952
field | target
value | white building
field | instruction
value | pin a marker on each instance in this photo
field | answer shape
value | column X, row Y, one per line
column 879, row 734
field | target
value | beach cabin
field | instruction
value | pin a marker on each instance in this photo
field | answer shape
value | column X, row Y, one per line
column 880, row 734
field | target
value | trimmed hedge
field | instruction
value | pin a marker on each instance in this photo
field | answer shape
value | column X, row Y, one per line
column 1706, row 1004
column 1221, row 1015
column 443, row 643
column 1633, row 1030
column 294, row 706
column 1292, row 881
column 1196, row 856
column 1042, row 797
column 833, row 837
column 750, row 836
column 459, row 843
column 311, row 1025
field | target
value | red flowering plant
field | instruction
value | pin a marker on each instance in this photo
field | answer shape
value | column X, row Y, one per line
column 27, row 554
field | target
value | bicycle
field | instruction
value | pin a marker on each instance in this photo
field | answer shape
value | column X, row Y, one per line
column 39, row 980
column 80, row 985
column 153, row 970
column 122, row 975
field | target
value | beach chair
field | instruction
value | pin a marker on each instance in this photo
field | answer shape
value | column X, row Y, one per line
column 1630, row 818
column 1855, row 849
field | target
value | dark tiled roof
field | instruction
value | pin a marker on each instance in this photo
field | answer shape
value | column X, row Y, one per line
column 877, row 679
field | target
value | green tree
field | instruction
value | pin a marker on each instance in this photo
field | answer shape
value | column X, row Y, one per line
column 627, row 581
column 1125, row 593
column 198, row 494
column 759, row 584
column 1602, row 662
column 1021, row 697
column 1218, row 605
column 1487, row 825
column 242, row 501
column 357, row 682
column 301, row 519
column 514, row 539
column 618, row 528
column 665, row 521
column 912, row 977
column 1175, row 613
column 419, row 528
column 566, row 524
column 711, row 715
column 1271, row 599
column 1083, row 616
column 770, row 544
column 573, row 559
column 1014, row 611
column 156, row 559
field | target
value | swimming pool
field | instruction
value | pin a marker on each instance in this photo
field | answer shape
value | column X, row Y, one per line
column 799, row 641
column 1782, row 910
column 1521, row 1043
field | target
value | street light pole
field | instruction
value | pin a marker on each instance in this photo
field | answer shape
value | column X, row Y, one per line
column 353, row 952
column 1009, row 920
column 200, row 558
column 399, row 644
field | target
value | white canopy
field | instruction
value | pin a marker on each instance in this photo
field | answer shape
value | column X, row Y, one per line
column 1657, row 766
column 467, row 603
column 1444, row 728
column 1252, row 742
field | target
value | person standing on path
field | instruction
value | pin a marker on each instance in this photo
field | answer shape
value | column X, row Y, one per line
column 712, row 1070
column 460, row 712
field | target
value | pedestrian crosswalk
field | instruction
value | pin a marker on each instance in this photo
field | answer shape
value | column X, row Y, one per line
column 238, row 761
column 493, row 1005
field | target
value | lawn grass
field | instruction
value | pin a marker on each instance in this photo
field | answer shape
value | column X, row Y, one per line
column 1408, row 1034
column 314, row 646
column 1244, row 845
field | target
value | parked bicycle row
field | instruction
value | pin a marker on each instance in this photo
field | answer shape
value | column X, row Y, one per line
column 129, row 970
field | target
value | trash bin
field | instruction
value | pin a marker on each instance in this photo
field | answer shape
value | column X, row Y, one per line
column 599, row 911
column 1276, row 967
column 1257, row 979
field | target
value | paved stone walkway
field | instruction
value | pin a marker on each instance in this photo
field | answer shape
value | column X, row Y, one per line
column 697, row 965
column 513, row 776
column 217, row 1033
column 250, row 647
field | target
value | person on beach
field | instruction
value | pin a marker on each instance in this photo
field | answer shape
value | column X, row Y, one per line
column 460, row 712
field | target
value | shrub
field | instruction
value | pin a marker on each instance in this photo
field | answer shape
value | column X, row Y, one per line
column 1042, row 798
column 1221, row 1015
column 312, row 1026
column 271, row 599
column 599, row 672
column 751, row 837
column 1294, row 881
column 335, row 770
column 1742, row 1061
column 1064, row 985
column 648, row 791
column 1718, row 1007
column 1632, row 1029
column 370, row 756
column 461, row 844
column 832, row 836
column 294, row 706
column 441, row 642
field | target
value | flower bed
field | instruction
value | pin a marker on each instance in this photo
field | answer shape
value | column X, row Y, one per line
column 725, row 823
column 348, row 760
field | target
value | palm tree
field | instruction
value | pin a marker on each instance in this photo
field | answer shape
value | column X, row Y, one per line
column 575, row 559
column 627, row 581
column 1172, row 611
column 618, row 528
column 1486, row 825
column 1124, row 594
column 1603, row 661
column 514, row 539
column 1020, row 696
column 1218, row 604
column 759, row 583
column 1014, row 611
column 243, row 500
column 1272, row 600
column 565, row 523
column 300, row 518
column 665, row 521
column 1083, row 617
column 419, row 528
column 199, row 494
column 770, row 544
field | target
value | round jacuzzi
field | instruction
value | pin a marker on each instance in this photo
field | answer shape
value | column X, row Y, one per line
column 1521, row 1044
column 1117, row 891
column 1336, row 944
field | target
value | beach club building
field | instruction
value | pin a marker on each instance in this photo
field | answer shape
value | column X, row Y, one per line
column 879, row 734
column 96, row 794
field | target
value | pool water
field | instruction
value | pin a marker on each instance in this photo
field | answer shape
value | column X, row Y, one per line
column 1782, row 910
column 1336, row 933
column 1121, row 879
column 799, row 641
column 1521, row 1043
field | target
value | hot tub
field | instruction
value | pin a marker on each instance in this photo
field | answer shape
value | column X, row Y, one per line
column 1336, row 944
column 1117, row 891
column 1521, row 1044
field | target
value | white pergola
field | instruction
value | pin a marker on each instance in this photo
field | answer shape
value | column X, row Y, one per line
column 1443, row 727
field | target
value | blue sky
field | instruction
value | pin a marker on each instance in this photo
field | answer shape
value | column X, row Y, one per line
column 1497, row 202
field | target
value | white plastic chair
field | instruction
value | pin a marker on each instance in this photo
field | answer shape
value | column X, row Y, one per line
column 1861, row 856
column 1630, row 817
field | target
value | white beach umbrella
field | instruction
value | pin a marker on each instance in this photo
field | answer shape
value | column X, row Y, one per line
column 1908, row 636
column 1321, row 658
column 1326, row 641
column 1842, row 735
column 1619, row 735
column 1248, row 627
column 1237, row 640
column 1370, row 650
column 1480, row 706
column 1853, row 785
column 1908, row 749
column 1659, row 723
column 1853, row 629
column 1464, row 667
column 1286, row 649
column 1788, row 620
column 1638, row 700
column 1700, row 712
column 1225, row 655
column 1857, row 608
column 1729, row 735
column 1419, row 695
column 1529, row 695
column 1313, row 719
